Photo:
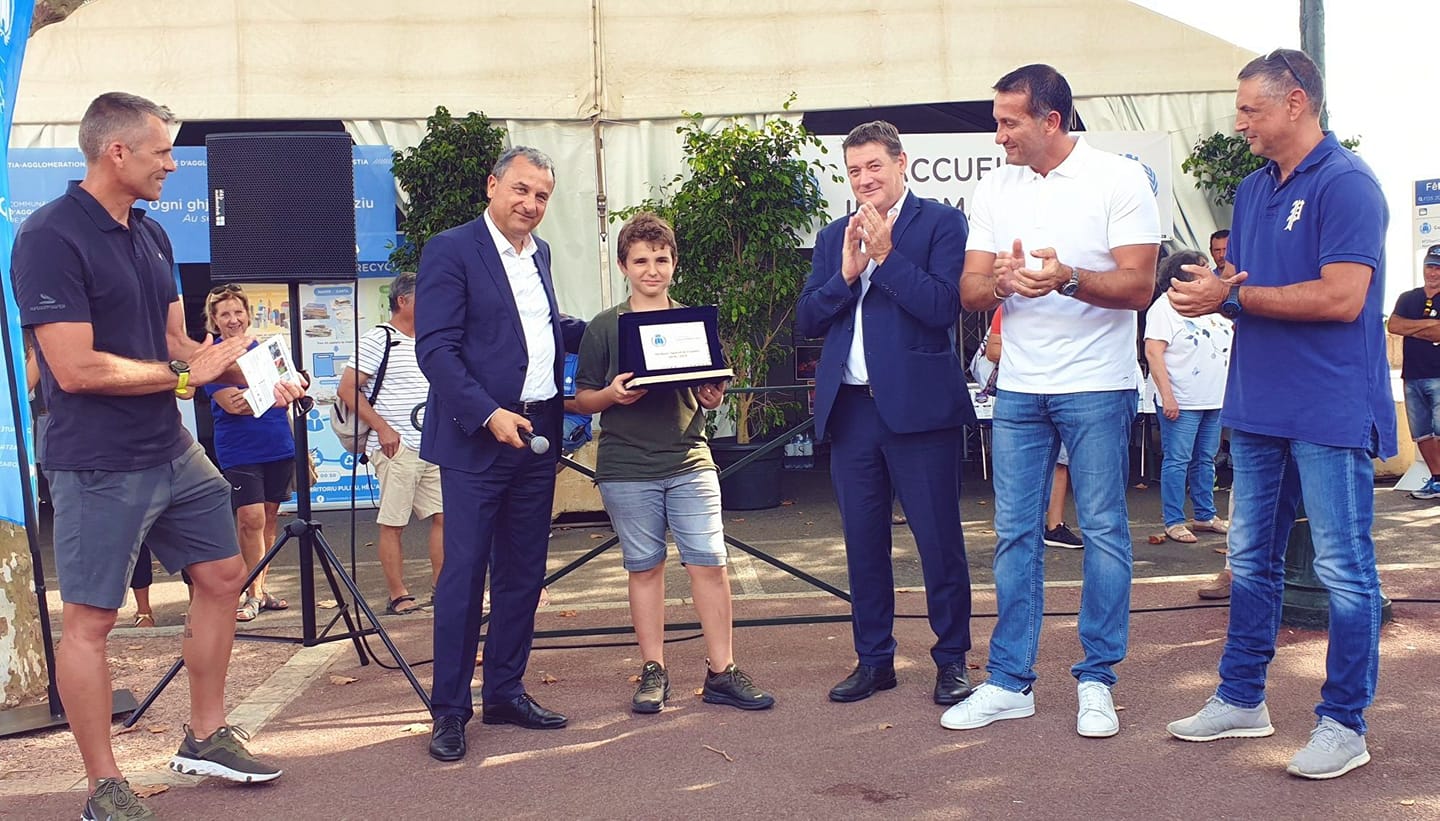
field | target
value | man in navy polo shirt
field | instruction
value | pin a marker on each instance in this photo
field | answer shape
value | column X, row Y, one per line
column 1417, row 318
column 1308, row 242
column 93, row 277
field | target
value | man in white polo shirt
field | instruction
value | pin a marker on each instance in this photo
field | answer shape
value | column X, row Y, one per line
column 1066, row 237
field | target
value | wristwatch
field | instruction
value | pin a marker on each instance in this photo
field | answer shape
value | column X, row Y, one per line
column 182, row 374
column 1231, row 307
column 1069, row 288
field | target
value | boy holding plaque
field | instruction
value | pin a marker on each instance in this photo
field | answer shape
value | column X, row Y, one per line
column 654, row 471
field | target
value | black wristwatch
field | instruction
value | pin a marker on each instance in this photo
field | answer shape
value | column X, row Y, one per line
column 1071, row 287
column 181, row 370
column 1231, row 307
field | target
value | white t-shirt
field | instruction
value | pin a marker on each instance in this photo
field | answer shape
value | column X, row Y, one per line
column 1092, row 202
column 1197, row 354
column 403, row 388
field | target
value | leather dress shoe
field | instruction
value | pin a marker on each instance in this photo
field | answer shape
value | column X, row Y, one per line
column 952, row 683
column 524, row 712
column 447, row 739
column 863, row 682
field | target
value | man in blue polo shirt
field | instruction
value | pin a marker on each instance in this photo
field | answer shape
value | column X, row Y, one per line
column 93, row 277
column 1308, row 242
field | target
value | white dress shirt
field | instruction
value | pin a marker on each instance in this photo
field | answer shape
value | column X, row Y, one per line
column 856, row 371
column 535, row 319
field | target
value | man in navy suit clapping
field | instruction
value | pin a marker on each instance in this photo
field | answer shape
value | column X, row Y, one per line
column 884, row 291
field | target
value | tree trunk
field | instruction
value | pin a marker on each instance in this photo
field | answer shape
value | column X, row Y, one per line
column 22, row 651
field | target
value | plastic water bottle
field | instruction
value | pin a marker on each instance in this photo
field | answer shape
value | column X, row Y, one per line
column 807, row 451
column 792, row 454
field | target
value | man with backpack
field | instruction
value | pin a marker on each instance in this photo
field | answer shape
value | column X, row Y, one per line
column 393, row 408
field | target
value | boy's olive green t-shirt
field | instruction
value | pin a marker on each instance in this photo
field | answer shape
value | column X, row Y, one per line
column 661, row 435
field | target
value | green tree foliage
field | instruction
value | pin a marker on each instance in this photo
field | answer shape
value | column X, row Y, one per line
column 738, row 215
column 444, row 177
column 1220, row 161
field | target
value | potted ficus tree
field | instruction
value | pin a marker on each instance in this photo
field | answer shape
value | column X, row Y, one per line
column 1219, row 162
column 444, row 179
column 739, row 211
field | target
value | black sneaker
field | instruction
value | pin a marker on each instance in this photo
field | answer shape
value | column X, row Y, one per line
column 1062, row 536
column 653, row 690
column 222, row 755
column 733, row 687
column 113, row 800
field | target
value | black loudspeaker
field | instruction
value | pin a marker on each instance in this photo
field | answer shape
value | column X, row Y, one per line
column 282, row 207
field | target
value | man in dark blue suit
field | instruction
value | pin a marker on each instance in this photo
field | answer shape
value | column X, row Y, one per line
column 491, row 340
column 884, row 291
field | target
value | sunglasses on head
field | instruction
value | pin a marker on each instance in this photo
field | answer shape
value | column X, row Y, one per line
column 1279, row 54
column 229, row 288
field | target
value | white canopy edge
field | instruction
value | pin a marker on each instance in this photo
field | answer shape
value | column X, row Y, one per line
column 608, row 59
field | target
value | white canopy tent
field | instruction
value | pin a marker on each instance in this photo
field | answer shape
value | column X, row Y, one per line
column 600, row 85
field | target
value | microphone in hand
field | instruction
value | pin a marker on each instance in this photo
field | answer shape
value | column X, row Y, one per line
column 538, row 444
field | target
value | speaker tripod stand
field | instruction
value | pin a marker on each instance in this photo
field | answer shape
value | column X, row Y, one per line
column 306, row 533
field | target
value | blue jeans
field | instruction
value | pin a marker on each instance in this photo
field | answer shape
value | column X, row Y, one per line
column 1028, row 430
column 1189, row 444
column 1422, row 407
column 1272, row 476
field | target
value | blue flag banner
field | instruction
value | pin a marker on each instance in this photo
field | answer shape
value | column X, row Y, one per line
column 15, row 18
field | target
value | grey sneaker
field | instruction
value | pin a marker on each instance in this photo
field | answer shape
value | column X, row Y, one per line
column 113, row 800
column 731, row 686
column 223, row 755
column 1218, row 719
column 1334, row 750
column 653, row 690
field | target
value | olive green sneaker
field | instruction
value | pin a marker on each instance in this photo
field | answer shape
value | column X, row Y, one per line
column 223, row 755
column 653, row 690
column 113, row 800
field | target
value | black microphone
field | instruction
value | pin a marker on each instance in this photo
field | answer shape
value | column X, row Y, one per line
column 538, row 444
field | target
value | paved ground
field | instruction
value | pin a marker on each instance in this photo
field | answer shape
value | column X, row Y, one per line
column 356, row 749
column 804, row 532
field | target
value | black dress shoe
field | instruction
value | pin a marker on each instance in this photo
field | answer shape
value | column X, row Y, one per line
column 952, row 683
column 863, row 682
column 447, row 740
column 524, row 712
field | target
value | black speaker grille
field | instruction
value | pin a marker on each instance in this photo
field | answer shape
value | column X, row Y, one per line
column 282, row 207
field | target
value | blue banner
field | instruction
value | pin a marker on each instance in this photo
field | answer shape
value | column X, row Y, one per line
column 14, row 30
column 39, row 175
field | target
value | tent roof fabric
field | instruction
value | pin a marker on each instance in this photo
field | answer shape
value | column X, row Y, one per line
column 607, row 59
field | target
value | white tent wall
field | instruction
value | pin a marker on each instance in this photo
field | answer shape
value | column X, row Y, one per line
column 737, row 57
column 550, row 70
column 1186, row 118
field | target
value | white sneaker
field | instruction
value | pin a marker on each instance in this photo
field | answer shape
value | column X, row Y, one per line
column 989, row 703
column 1096, row 718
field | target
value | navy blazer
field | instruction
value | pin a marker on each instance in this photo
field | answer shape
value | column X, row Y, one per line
column 911, row 310
column 471, row 346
